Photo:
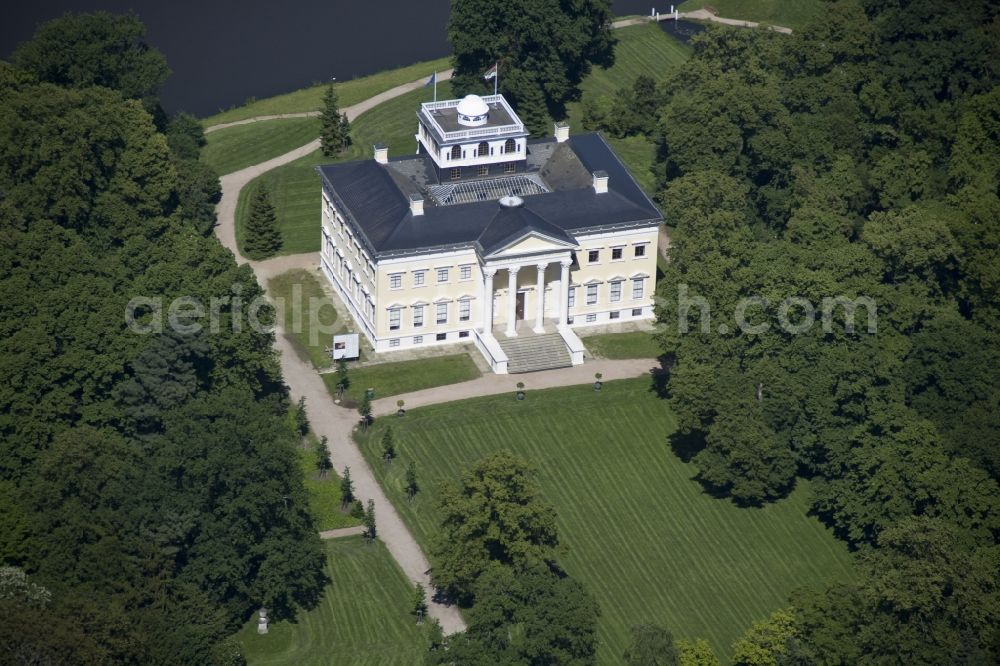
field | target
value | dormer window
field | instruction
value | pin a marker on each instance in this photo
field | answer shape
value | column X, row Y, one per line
column 456, row 152
column 483, row 150
column 509, row 146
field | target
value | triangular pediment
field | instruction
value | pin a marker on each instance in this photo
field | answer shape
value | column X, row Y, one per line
column 532, row 242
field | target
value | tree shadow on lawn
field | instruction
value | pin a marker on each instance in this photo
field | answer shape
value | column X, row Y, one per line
column 660, row 374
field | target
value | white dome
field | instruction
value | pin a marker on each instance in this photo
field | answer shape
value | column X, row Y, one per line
column 472, row 111
column 472, row 105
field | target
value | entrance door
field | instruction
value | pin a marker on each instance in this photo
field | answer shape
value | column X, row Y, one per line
column 519, row 306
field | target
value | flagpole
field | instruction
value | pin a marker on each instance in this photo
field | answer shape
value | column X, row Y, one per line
column 435, row 86
column 496, row 77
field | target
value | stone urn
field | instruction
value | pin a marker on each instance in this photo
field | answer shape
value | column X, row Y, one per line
column 262, row 621
column 520, row 391
column 597, row 381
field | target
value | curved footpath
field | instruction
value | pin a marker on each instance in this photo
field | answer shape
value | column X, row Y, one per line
column 699, row 15
column 326, row 418
column 336, row 423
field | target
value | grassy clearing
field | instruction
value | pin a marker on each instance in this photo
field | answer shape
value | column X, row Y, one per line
column 642, row 49
column 640, row 533
column 362, row 620
column 235, row 148
column 788, row 13
column 324, row 493
column 295, row 188
column 405, row 376
column 350, row 93
column 309, row 314
column 635, row 344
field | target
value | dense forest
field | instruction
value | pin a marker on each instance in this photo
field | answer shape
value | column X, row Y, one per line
column 856, row 159
column 150, row 497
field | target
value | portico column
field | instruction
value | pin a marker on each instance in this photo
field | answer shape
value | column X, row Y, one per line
column 540, row 299
column 488, row 274
column 564, row 291
column 512, row 301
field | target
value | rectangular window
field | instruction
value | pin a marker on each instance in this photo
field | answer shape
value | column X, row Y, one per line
column 569, row 320
column 465, row 273
column 636, row 287
column 394, row 316
column 442, row 313
column 591, row 294
column 615, row 314
column 509, row 167
column 417, row 339
column 593, row 256
column 442, row 274
column 418, row 278
column 484, row 170
column 464, row 309
column 640, row 250
column 616, row 253
column 463, row 334
column 394, row 342
column 616, row 291
column 418, row 316
column 572, row 297
column 455, row 174
column 441, row 336
column 636, row 312
column 396, row 281
column 591, row 318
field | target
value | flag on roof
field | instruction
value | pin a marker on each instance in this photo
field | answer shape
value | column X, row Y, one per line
column 491, row 73
column 431, row 81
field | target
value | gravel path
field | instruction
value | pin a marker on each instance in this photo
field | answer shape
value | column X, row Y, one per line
column 492, row 384
column 336, row 423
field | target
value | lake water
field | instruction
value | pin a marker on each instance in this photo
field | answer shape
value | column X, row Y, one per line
column 222, row 52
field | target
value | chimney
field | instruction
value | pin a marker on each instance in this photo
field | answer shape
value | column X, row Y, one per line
column 562, row 132
column 381, row 153
column 600, row 182
column 416, row 204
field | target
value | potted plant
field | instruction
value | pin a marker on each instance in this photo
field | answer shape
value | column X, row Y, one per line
column 400, row 411
column 598, row 383
column 520, row 391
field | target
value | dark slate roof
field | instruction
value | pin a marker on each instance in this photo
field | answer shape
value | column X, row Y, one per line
column 375, row 199
column 510, row 224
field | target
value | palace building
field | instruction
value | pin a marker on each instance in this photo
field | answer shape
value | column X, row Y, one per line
column 486, row 236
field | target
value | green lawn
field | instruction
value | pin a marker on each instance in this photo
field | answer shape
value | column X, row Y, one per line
column 324, row 492
column 641, row 49
column 295, row 189
column 235, row 148
column 787, row 13
column 640, row 533
column 349, row 93
column 635, row 344
column 405, row 376
column 309, row 315
column 362, row 620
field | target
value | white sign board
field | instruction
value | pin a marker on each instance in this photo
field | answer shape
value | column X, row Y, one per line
column 346, row 346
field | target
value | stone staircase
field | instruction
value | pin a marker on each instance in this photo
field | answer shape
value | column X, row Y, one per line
column 535, row 352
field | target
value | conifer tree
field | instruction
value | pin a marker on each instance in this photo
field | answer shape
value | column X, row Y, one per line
column 365, row 410
column 335, row 129
column 323, row 462
column 419, row 602
column 388, row 446
column 262, row 236
column 301, row 418
column 370, row 531
column 411, row 480
column 346, row 488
